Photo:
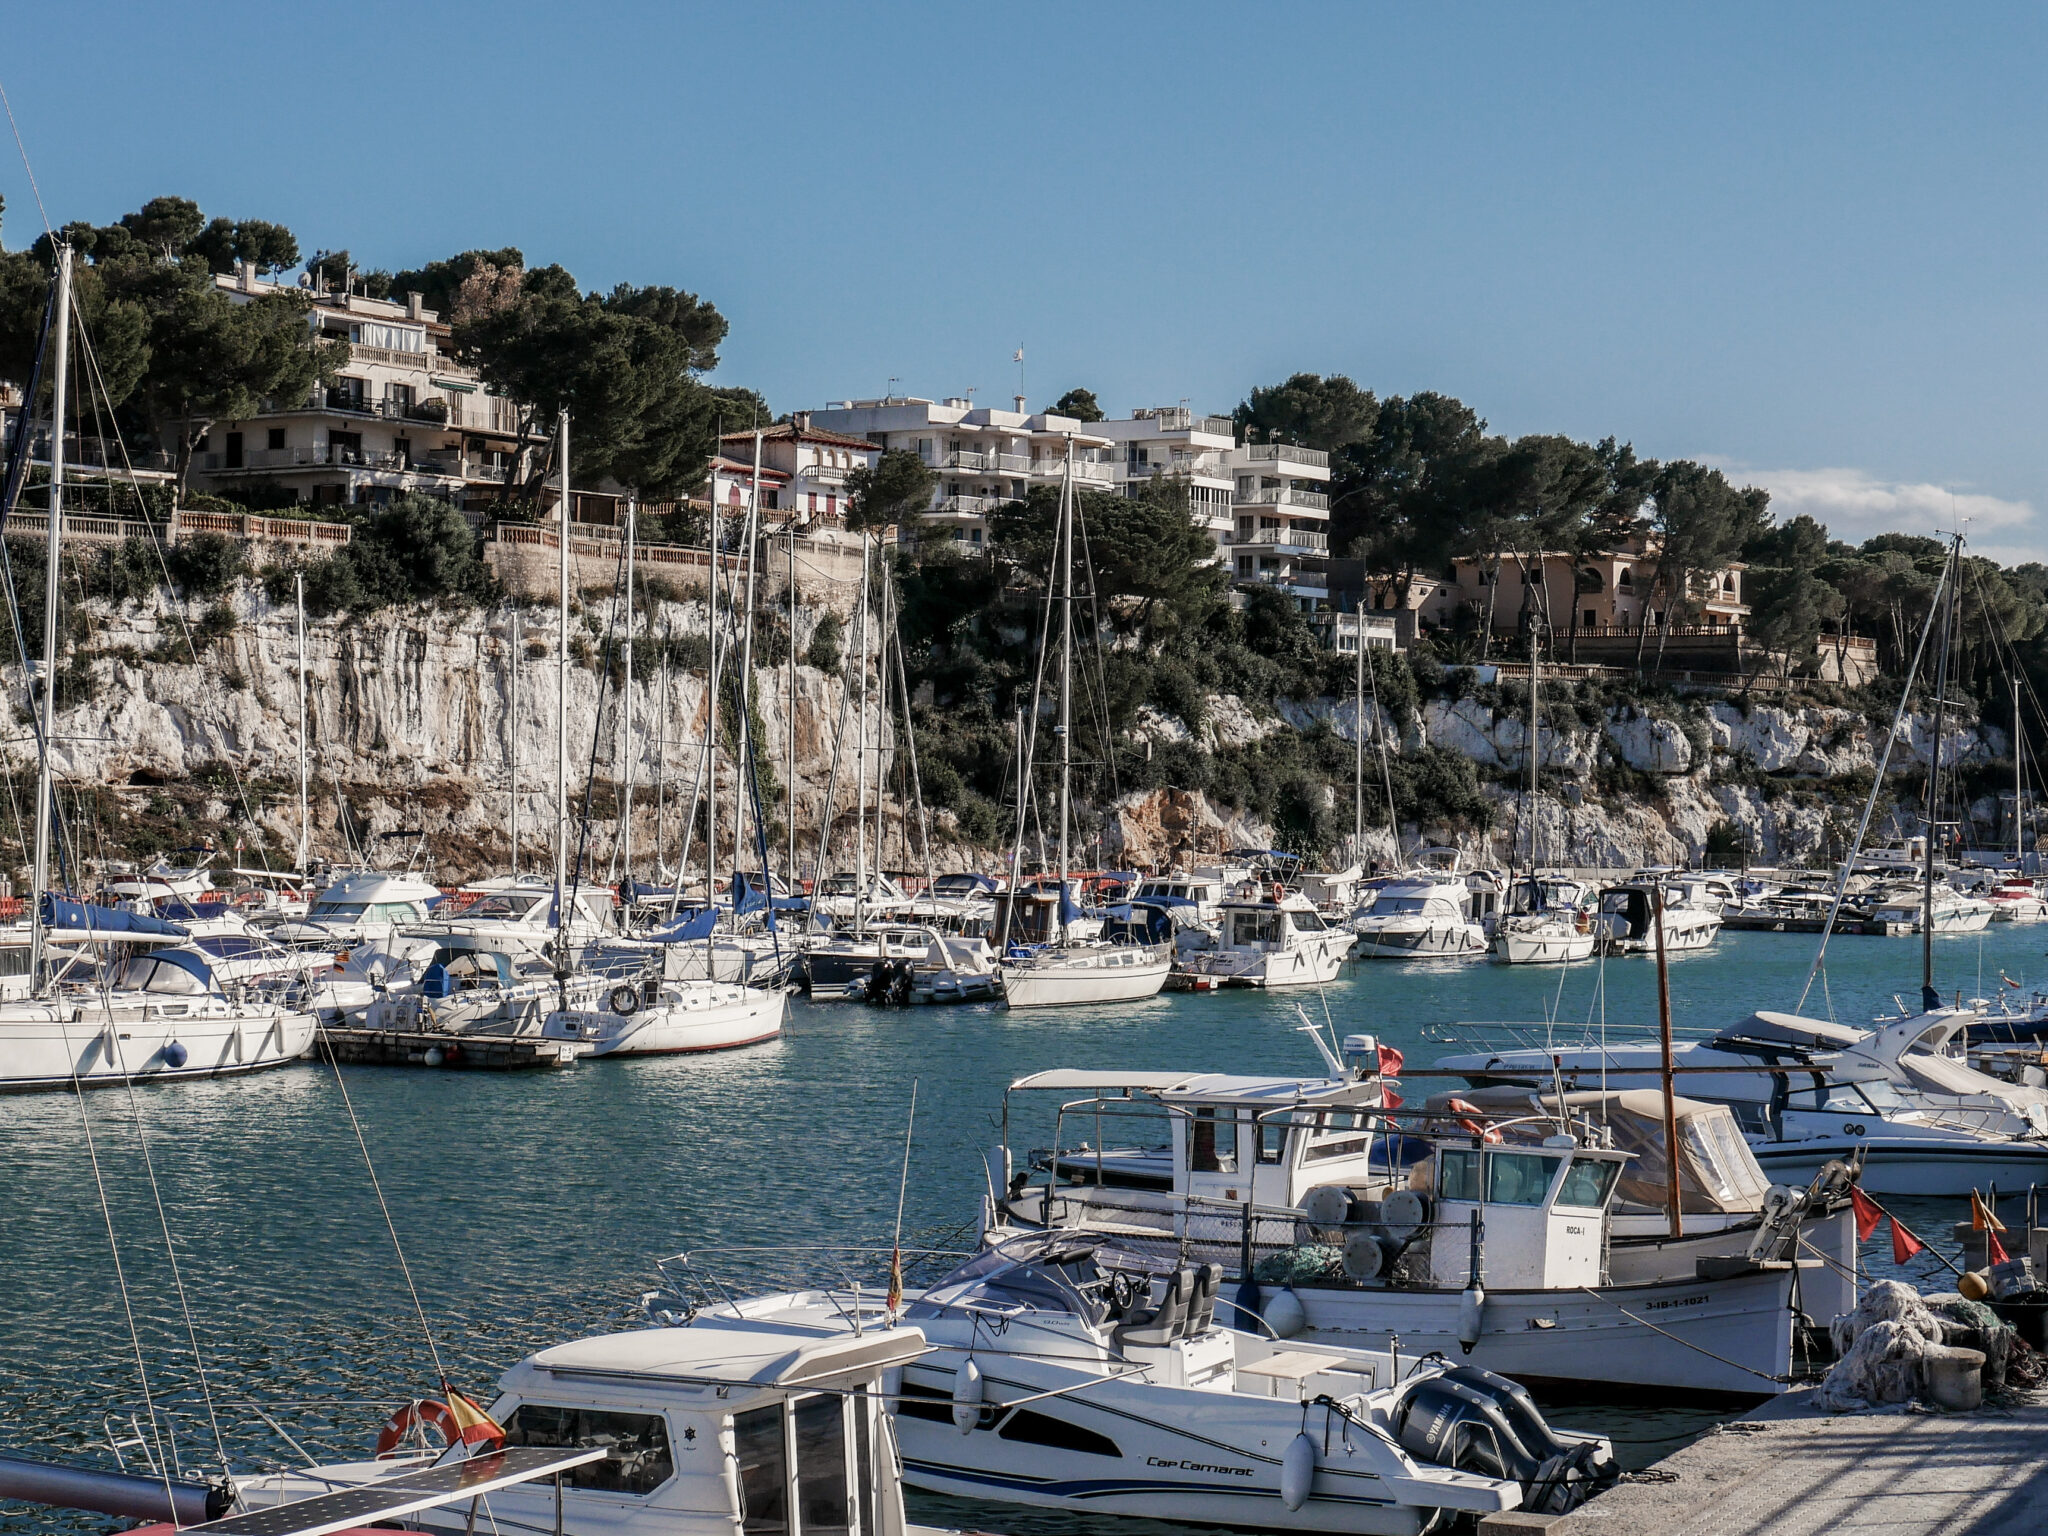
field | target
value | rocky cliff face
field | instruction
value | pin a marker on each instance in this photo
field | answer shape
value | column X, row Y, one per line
column 410, row 723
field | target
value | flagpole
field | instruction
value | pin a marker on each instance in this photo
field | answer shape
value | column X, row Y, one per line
column 902, row 1189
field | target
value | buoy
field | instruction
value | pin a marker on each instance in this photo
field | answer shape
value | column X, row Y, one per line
column 1298, row 1470
column 967, row 1391
column 1284, row 1313
column 174, row 1055
column 434, row 1056
column 1471, row 1314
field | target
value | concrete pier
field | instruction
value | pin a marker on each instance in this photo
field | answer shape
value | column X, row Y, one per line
column 1789, row 1470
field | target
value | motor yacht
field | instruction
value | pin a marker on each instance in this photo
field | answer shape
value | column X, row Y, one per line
column 1067, row 1372
column 1269, row 936
column 1903, row 910
column 361, row 905
column 2016, row 901
column 1627, row 926
column 1544, row 921
column 1418, row 920
column 671, row 1018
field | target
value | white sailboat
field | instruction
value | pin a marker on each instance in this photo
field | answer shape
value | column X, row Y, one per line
column 162, row 1014
column 1064, row 970
column 1541, row 934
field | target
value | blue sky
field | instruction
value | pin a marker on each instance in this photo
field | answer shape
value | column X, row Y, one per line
column 1801, row 242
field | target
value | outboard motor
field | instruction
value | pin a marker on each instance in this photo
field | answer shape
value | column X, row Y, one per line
column 1478, row 1422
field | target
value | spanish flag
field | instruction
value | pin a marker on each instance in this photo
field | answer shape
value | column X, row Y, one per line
column 477, row 1433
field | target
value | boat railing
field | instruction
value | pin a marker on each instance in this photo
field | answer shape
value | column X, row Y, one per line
column 1561, row 1035
column 705, row 1278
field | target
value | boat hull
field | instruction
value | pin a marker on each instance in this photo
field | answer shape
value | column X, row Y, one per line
column 1314, row 961
column 677, row 1028
column 1907, row 1165
column 1461, row 942
column 1511, row 948
column 1063, row 983
column 40, row 1054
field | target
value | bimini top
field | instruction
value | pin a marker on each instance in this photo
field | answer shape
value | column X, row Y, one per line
column 731, row 1351
column 1792, row 1029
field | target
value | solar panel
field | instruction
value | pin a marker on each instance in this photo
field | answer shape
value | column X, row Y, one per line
column 390, row 1497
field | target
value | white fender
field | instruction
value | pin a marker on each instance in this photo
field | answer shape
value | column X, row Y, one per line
column 1298, row 1470
column 967, row 1393
column 1285, row 1314
column 1471, row 1314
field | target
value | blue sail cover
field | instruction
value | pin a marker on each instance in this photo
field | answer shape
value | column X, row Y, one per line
column 691, row 925
column 62, row 915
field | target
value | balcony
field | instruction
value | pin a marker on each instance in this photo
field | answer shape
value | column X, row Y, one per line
column 1181, row 419
column 966, row 506
column 1284, row 496
column 259, row 459
column 1286, row 453
column 1087, row 471
column 1191, row 466
column 1282, row 539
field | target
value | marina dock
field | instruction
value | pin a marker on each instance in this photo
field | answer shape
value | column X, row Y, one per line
column 417, row 1048
column 1789, row 1470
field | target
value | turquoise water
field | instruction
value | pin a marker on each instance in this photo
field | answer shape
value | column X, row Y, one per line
column 532, row 1206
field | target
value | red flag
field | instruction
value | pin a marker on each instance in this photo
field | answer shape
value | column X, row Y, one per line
column 1390, row 1061
column 1868, row 1213
column 1390, row 1098
column 1994, row 1246
column 1904, row 1243
column 895, row 1279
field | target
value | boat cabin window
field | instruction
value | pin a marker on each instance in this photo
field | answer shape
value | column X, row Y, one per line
column 759, row 1448
column 1255, row 927
column 1272, row 1142
column 161, row 976
column 1518, row 1178
column 637, row 1457
column 821, row 1503
column 1587, row 1182
column 1400, row 906
column 1308, row 922
column 1212, row 1142
column 1339, row 1133
column 1457, row 1176
column 503, row 906
column 339, row 911
column 14, row 961
column 1873, row 1097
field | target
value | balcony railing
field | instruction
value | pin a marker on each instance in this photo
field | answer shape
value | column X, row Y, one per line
column 1180, row 419
column 1284, row 496
column 1286, row 453
column 967, row 506
column 311, row 458
column 1092, row 471
column 1281, row 538
column 103, row 530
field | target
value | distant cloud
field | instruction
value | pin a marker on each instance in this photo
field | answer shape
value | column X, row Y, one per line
column 1856, row 506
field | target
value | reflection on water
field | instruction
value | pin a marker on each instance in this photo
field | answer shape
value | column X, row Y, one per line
column 532, row 1206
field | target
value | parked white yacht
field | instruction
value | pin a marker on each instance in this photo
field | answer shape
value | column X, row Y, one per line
column 671, row 1018
column 1916, row 1119
column 1418, row 920
column 2016, row 901
column 362, row 905
column 1358, row 1229
column 1544, row 921
column 1069, row 1373
column 1269, row 936
column 1904, row 911
column 1627, row 925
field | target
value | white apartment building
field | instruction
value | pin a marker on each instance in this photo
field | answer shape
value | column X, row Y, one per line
column 984, row 457
column 1282, row 537
column 1173, row 440
column 402, row 416
column 803, row 469
column 1375, row 631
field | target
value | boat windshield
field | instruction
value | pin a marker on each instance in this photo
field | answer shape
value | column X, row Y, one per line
column 503, row 906
column 339, row 911
column 1400, row 906
column 146, row 974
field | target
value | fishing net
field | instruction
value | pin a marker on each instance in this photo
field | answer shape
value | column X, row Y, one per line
column 1884, row 1365
column 1293, row 1266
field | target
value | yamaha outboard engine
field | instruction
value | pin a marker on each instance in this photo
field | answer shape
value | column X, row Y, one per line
column 1475, row 1421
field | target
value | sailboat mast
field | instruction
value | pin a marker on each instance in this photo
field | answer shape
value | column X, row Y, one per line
column 1928, row 997
column 626, row 708
column 1535, row 748
column 1066, row 554
column 39, row 939
column 2018, row 779
column 1358, row 738
column 305, row 825
column 710, row 754
column 512, row 748
column 860, row 752
column 789, row 720
column 751, row 538
column 562, row 699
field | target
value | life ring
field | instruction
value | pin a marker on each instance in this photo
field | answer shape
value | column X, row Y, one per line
column 622, row 1000
column 411, row 1420
column 1473, row 1123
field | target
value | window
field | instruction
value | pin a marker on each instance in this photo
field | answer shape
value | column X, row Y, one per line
column 14, row 961
column 636, row 1445
column 1624, row 579
column 276, row 444
column 1518, row 1178
column 831, row 505
column 1033, row 1428
column 1272, row 1142
column 400, row 396
column 1591, row 617
column 865, row 1478
column 1457, row 1175
column 232, row 459
column 1208, row 1150
column 346, row 394
column 1587, row 1182
column 821, row 1504
column 764, row 1471
column 812, row 508
column 344, row 447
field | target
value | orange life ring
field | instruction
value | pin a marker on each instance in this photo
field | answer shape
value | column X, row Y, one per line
column 1477, row 1126
column 412, row 1419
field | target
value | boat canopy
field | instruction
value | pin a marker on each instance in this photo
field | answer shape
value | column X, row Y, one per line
column 738, row 1351
column 1069, row 1080
column 66, row 916
column 1811, row 1034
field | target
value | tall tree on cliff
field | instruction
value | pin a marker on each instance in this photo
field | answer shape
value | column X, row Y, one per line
column 175, row 352
column 1701, row 524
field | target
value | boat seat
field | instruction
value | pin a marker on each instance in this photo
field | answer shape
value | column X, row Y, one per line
column 1166, row 1319
column 1202, row 1309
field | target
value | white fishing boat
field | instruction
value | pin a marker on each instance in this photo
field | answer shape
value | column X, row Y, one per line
column 1354, row 1228
column 1068, row 1373
column 1269, row 936
column 670, row 1019
column 1418, row 920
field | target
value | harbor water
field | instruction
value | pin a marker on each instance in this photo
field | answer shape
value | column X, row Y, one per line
column 530, row 1207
